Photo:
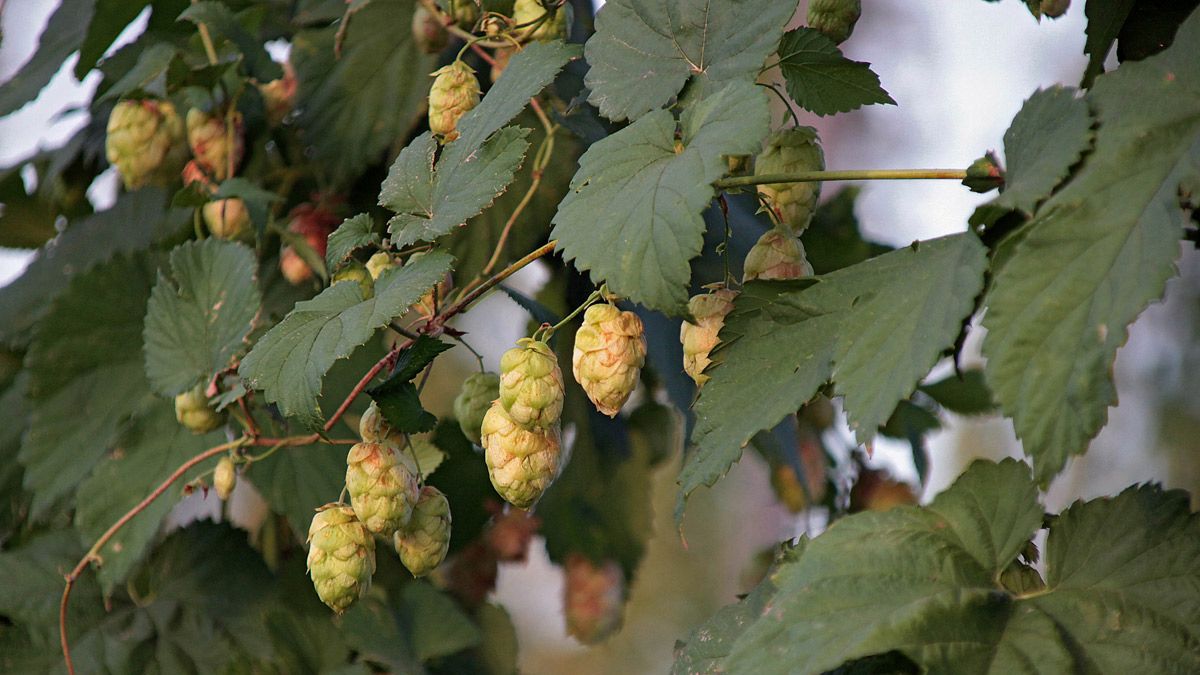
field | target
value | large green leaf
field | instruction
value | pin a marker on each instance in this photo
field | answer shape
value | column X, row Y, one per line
column 875, row 336
column 633, row 217
column 86, row 376
column 1105, row 19
column 111, row 17
column 354, row 233
column 289, row 363
column 823, row 81
column 643, row 52
column 1095, row 255
column 63, row 34
column 351, row 109
column 438, row 626
column 930, row 584
column 198, row 317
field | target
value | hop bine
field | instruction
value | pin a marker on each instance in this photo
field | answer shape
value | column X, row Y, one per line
column 423, row 543
column 341, row 556
column 382, row 490
column 791, row 151
column 610, row 349
column 699, row 338
column 145, row 142
column 521, row 462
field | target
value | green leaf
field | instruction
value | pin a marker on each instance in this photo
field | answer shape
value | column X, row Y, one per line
column 371, row 629
column 354, row 233
column 821, row 80
column 1046, row 138
column 86, row 376
column 643, row 53
column 499, row 650
column 14, row 418
column 834, row 240
column 152, row 63
column 1097, row 253
column 222, row 23
column 63, row 34
column 199, row 316
column 966, row 395
column 27, row 220
column 439, row 627
column 351, row 109
column 398, row 398
column 1105, row 19
column 874, row 337
column 111, row 17
column 155, row 446
column 633, row 217
column 289, row 363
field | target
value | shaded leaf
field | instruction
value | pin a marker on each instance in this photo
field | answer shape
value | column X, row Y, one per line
column 354, row 233
column 63, row 34
column 1104, row 22
column 439, row 627
column 398, row 398
column 152, row 63
column 111, row 17
column 222, row 23
column 966, row 395
column 821, row 80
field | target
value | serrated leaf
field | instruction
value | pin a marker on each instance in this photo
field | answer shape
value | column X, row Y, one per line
column 63, row 34
column 353, row 234
column 371, row 629
column 872, row 335
column 199, row 316
column 821, row 80
column 643, row 52
column 834, row 239
column 1046, row 138
column 966, row 395
column 398, row 398
column 1098, row 252
column 633, row 217
column 85, row 366
column 111, row 17
column 439, row 627
column 153, row 448
column 1104, row 22
column 289, row 363
column 27, row 221
column 222, row 23
column 352, row 108
column 152, row 63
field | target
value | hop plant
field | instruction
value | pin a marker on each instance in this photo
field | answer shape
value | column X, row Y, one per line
column 382, row 489
column 776, row 255
column 379, row 262
column 224, row 477
column 314, row 223
column 428, row 32
column 293, row 267
column 455, row 91
column 554, row 27
column 531, row 384
column 217, row 149
column 373, row 427
column 594, row 598
column 699, row 338
column 877, row 491
column 834, row 18
column 521, row 462
column 357, row 273
column 423, row 543
column 145, row 142
column 610, row 349
column 473, row 400
column 341, row 556
column 791, row 151
column 279, row 95
column 226, row 218
column 192, row 411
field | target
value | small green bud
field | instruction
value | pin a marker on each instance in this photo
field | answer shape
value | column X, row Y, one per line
column 192, row 411
column 356, row 272
column 224, row 477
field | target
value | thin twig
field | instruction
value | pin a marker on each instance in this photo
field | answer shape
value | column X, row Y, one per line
column 503, row 274
column 385, row 362
column 860, row 174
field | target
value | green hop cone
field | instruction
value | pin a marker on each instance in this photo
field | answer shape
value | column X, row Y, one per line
column 792, row 151
column 422, row 545
column 708, row 311
column 525, row 12
column 521, row 462
column 379, row 262
column 341, row 556
column 192, row 411
column 217, row 149
column 593, row 598
column 531, row 384
column 472, row 403
column 776, row 255
column 373, row 427
column 224, row 478
column 145, row 142
column 382, row 489
column 984, row 174
column 357, row 273
column 610, row 349
column 227, row 218
column 454, row 92
column 834, row 18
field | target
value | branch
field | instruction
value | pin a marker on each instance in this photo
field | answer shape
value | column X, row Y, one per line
column 503, row 274
column 861, row 174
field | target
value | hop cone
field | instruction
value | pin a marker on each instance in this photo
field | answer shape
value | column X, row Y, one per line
column 279, row 95
column 553, row 28
column 472, row 403
column 357, row 273
column 790, row 151
column 224, row 477
column 382, row 490
column 531, row 384
column 776, row 255
column 145, row 142
column 610, row 348
column 594, row 598
column 293, row 267
column 341, row 556
column 834, row 18
column 226, row 218
column 521, row 462
column 211, row 143
column 192, row 411
column 422, row 545
column 699, row 338
column 379, row 262
column 373, row 427
column 455, row 91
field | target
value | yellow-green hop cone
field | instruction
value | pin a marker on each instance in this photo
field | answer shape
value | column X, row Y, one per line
column 379, row 262
column 593, row 598
column 341, row 556
column 422, row 545
column 224, row 478
column 216, row 148
column 145, row 142
column 373, row 427
column 610, row 349
column 708, row 310
column 192, row 411
column 521, row 462
column 357, row 273
column 776, row 255
column 472, row 403
column 227, row 218
column 525, row 12
column 531, row 384
column 834, row 18
column 455, row 91
column 792, row 151
column 382, row 489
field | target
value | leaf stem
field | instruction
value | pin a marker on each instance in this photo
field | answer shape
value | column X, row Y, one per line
column 855, row 174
